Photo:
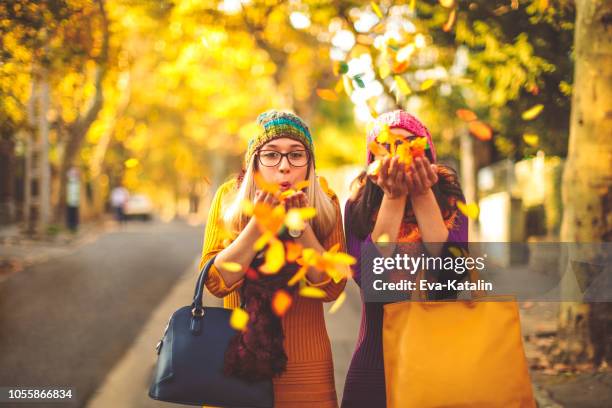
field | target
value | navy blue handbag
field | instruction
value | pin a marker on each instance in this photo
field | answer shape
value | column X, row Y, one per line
column 190, row 359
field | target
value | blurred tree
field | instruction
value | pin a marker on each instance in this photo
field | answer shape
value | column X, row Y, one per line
column 585, row 333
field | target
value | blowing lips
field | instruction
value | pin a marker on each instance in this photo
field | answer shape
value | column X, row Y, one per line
column 285, row 185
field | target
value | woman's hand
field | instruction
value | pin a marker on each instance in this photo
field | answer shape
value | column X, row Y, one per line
column 266, row 198
column 421, row 176
column 296, row 200
column 392, row 178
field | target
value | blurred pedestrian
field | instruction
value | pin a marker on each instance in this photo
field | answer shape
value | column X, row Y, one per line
column 119, row 199
column 73, row 198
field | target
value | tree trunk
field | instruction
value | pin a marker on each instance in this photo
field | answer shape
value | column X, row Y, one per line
column 587, row 178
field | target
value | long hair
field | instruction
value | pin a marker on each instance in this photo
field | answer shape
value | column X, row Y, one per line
column 235, row 220
column 366, row 198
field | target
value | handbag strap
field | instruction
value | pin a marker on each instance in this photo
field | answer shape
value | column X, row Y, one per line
column 197, row 305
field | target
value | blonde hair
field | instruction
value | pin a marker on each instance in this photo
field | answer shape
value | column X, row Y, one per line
column 235, row 220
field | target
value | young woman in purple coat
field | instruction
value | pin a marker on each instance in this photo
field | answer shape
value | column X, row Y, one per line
column 415, row 203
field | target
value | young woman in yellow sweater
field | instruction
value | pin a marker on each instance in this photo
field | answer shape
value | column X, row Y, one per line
column 294, row 350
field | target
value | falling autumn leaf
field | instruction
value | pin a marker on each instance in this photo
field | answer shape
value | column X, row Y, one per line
column 264, row 185
column 262, row 240
column 384, row 70
column 400, row 67
column 447, row 3
column 334, row 308
column 239, row 319
column 299, row 275
column 231, row 266
column 247, row 207
column 377, row 149
column 456, row 252
column 470, row 210
column 376, row 10
column 450, row 22
column 402, row 85
column 312, row 292
column 428, row 83
column 466, row 115
column 339, row 87
column 281, row 302
column 327, row 95
column 275, row 257
column 293, row 251
column 302, row 184
column 383, row 238
column 532, row 112
column 531, row 139
column 480, row 130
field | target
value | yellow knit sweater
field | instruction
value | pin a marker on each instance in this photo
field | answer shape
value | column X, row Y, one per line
column 309, row 379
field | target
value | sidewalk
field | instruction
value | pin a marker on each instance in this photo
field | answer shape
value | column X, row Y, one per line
column 18, row 251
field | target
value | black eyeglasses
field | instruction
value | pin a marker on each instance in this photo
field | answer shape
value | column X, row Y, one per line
column 272, row 158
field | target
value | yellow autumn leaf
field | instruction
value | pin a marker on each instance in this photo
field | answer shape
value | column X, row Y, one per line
column 383, row 238
column 339, row 87
column 339, row 257
column 402, row 85
column 262, row 240
column 470, row 210
column 531, row 139
column 456, row 252
column 376, row 10
column 334, row 308
column 231, row 266
column 384, row 70
column 323, row 183
column 404, row 154
column 239, row 319
column 447, row 3
column 286, row 193
column 275, row 257
column 383, row 135
column 311, row 292
column 532, row 112
column 428, row 83
column 247, row 207
column 299, row 275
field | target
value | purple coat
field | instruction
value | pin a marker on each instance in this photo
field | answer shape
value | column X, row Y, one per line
column 365, row 381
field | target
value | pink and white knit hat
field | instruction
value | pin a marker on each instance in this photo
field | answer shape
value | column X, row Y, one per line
column 403, row 120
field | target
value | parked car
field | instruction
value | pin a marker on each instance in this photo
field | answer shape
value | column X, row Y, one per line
column 139, row 206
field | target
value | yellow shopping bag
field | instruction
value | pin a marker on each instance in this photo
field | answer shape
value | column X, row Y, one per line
column 465, row 353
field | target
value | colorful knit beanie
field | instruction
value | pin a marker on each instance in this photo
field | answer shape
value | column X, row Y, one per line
column 403, row 120
column 275, row 124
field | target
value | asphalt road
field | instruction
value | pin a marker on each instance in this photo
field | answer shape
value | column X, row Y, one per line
column 67, row 321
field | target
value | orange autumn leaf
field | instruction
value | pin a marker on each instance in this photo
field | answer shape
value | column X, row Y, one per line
column 293, row 251
column 264, row 185
column 311, row 292
column 281, row 302
column 377, row 149
column 301, row 185
column 327, row 95
column 239, row 319
column 334, row 248
column 466, row 115
column 399, row 68
column 275, row 257
column 480, row 130
column 404, row 154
